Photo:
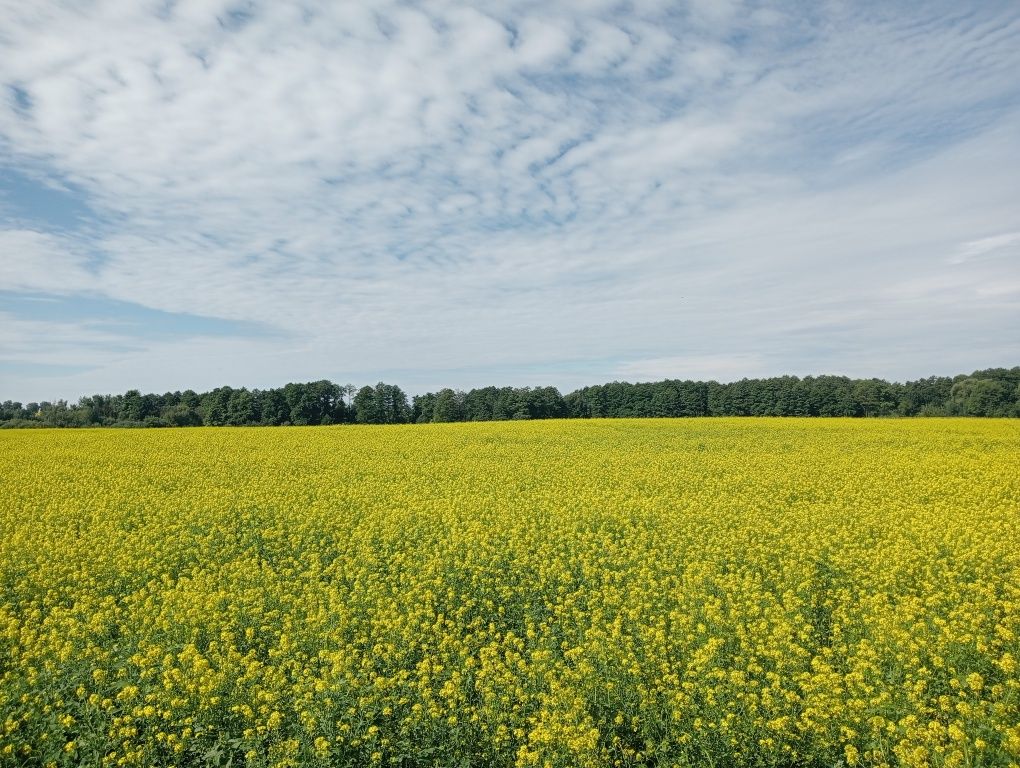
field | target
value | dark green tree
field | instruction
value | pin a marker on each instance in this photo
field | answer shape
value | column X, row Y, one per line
column 448, row 406
column 366, row 407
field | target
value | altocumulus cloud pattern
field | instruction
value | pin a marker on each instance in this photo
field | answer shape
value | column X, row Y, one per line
column 200, row 193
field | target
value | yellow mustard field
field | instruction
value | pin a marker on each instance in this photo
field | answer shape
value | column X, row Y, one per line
column 722, row 592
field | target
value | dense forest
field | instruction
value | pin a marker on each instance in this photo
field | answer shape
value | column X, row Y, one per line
column 992, row 392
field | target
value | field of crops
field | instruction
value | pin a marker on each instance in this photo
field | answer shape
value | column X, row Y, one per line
column 618, row 593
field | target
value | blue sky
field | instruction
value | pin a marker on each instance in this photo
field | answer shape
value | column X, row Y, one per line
column 203, row 192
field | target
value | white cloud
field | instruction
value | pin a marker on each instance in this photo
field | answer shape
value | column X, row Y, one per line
column 543, row 41
column 451, row 185
column 986, row 245
column 33, row 261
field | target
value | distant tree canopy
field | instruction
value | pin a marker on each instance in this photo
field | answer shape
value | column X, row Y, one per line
column 991, row 392
column 490, row 404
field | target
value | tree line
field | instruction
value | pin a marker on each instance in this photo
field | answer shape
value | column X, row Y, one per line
column 991, row 392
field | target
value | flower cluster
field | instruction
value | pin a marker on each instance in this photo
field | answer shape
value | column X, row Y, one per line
column 616, row 593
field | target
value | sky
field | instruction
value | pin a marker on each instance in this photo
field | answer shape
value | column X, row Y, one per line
column 207, row 192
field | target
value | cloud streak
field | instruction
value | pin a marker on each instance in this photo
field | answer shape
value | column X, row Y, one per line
column 520, row 187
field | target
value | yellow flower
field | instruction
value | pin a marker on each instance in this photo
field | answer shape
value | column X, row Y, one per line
column 321, row 746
